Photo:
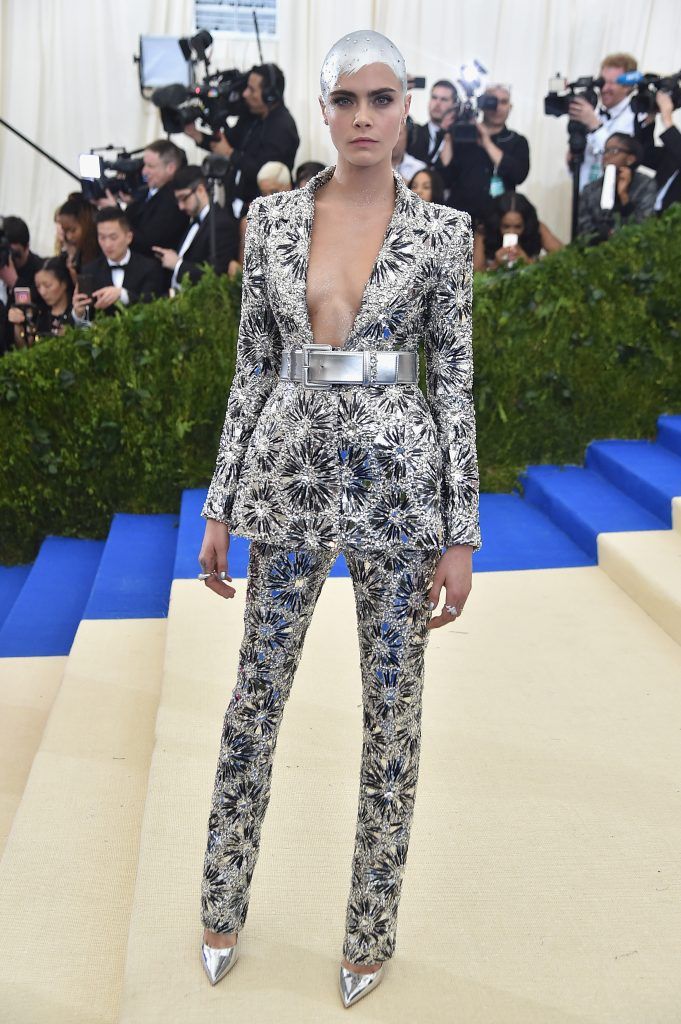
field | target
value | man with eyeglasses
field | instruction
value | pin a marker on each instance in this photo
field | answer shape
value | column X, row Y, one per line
column 188, row 261
column 634, row 192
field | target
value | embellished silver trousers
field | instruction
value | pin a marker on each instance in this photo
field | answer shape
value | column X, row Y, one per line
column 392, row 617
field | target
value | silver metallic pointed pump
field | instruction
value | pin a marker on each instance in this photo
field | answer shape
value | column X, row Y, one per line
column 218, row 962
column 354, row 986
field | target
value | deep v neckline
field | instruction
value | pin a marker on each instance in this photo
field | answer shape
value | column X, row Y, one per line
column 325, row 177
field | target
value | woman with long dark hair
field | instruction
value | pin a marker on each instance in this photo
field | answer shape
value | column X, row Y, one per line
column 53, row 284
column 77, row 220
column 511, row 214
column 329, row 445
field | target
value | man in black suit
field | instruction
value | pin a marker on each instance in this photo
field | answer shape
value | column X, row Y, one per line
column 425, row 140
column 186, row 262
column 267, row 132
column 155, row 219
column 120, row 276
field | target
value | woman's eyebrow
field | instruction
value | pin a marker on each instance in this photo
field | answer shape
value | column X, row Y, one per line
column 353, row 95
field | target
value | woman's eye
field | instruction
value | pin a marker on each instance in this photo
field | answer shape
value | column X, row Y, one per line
column 383, row 101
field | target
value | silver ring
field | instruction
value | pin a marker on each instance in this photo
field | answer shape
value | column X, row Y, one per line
column 451, row 608
column 204, row 575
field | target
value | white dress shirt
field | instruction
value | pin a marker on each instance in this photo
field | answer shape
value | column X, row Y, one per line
column 433, row 129
column 188, row 239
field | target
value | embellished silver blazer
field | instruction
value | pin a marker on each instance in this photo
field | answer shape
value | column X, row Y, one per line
column 375, row 468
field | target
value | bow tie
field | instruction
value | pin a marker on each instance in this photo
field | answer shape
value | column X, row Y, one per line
column 117, row 266
column 606, row 114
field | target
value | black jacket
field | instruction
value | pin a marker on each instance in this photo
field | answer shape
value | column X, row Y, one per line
column 157, row 221
column 469, row 174
column 419, row 144
column 226, row 245
column 256, row 141
column 665, row 160
column 143, row 278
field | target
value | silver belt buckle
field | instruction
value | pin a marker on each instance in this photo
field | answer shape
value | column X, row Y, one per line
column 306, row 349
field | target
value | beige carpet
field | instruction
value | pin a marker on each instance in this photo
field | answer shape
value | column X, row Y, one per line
column 68, row 871
column 543, row 877
column 28, row 687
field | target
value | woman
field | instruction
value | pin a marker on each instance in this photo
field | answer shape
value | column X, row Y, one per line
column 77, row 220
column 329, row 445
column 53, row 283
column 511, row 213
column 427, row 184
column 634, row 194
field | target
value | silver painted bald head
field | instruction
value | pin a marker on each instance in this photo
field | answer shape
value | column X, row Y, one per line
column 355, row 51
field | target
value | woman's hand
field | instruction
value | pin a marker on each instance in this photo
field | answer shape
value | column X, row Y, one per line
column 15, row 315
column 213, row 557
column 454, row 572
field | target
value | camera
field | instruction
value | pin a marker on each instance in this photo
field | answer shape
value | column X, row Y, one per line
column 562, row 93
column 124, row 174
column 470, row 80
column 213, row 101
column 643, row 100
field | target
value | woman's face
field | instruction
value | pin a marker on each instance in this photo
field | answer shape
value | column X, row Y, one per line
column 50, row 288
column 423, row 187
column 364, row 112
column 512, row 223
column 73, row 231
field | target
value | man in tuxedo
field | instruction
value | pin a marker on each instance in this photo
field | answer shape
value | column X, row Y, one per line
column 614, row 114
column 666, row 159
column 187, row 261
column 425, row 140
column 120, row 275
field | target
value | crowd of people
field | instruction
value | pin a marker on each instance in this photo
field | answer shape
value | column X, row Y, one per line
column 116, row 250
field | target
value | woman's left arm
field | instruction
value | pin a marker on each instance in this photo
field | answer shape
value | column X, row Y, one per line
column 449, row 376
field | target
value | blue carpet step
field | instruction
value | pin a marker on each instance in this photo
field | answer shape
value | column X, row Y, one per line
column 583, row 504
column 669, row 433
column 12, row 579
column 136, row 569
column 645, row 470
column 191, row 536
column 44, row 618
column 517, row 535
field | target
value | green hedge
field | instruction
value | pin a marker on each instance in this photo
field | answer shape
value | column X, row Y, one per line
column 585, row 344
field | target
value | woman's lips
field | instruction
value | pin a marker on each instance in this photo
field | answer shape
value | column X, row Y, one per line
column 355, row 142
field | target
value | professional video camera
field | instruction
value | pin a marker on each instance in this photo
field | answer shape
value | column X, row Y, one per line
column 212, row 102
column 472, row 85
column 124, row 174
column 643, row 100
column 562, row 93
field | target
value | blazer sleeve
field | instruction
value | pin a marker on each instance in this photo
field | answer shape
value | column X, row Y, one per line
column 449, row 379
column 258, row 356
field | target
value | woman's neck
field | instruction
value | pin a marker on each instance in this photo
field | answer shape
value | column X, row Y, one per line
column 363, row 186
column 59, row 307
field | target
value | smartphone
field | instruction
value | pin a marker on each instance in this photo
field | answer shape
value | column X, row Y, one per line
column 86, row 284
column 22, row 296
column 416, row 83
column 90, row 166
column 510, row 239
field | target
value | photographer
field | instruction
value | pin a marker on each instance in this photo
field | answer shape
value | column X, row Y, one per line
column 425, row 140
column 613, row 115
column 266, row 133
column 186, row 263
column 156, row 219
column 499, row 161
column 634, row 192
column 120, row 275
column 666, row 159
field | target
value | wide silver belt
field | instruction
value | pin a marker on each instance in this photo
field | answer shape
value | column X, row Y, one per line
column 321, row 366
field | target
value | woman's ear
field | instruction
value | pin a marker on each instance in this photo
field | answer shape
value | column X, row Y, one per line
column 323, row 109
column 407, row 104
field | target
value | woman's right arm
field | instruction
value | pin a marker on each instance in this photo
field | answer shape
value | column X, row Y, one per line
column 258, row 357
